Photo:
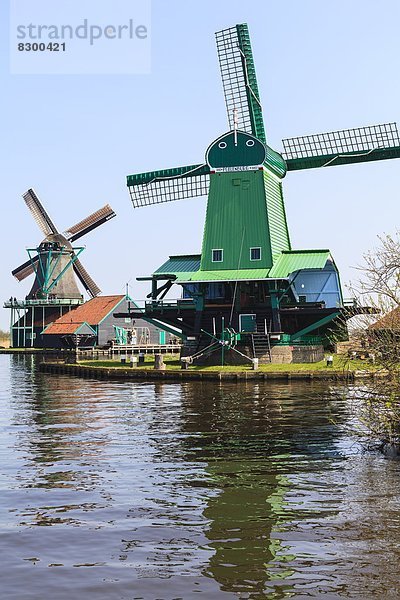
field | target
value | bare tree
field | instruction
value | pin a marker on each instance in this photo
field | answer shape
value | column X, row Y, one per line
column 377, row 405
column 380, row 273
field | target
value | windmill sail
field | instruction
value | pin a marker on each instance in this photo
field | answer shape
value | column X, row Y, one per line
column 85, row 279
column 91, row 222
column 239, row 80
column 26, row 269
column 39, row 214
column 348, row 146
column 157, row 187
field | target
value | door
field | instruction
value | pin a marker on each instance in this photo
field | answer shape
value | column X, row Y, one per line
column 162, row 338
column 247, row 323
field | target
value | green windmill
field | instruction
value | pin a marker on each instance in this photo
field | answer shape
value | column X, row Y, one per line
column 248, row 278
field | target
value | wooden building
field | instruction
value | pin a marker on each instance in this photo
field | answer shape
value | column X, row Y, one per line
column 249, row 291
column 94, row 324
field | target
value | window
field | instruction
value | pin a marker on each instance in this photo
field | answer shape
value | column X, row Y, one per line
column 217, row 255
column 255, row 253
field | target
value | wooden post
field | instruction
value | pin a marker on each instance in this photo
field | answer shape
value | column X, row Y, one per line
column 159, row 363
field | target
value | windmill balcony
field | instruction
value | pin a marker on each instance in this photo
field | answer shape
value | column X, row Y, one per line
column 14, row 303
column 166, row 305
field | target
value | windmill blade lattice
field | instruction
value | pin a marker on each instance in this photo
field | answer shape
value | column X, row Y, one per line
column 239, row 80
column 58, row 259
column 364, row 144
column 26, row 269
column 84, row 277
column 167, row 185
column 91, row 222
column 39, row 214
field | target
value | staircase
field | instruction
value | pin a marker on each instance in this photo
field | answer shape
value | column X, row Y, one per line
column 260, row 338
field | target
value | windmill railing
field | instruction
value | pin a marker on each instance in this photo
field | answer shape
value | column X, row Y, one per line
column 170, row 304
column 14, row 303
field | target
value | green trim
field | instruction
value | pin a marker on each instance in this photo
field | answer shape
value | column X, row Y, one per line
column 232, row 150
column 276, row 215
column 223, row 275
column 79, row 326
column 291, row 261
column 189, row 171
column 185, row 263
column 275, row 163
column 127, row 298
column 314, row 326
column 253, row 95
column 71, row 262
column 329, row 160
column 85, row 324
column 46, row 272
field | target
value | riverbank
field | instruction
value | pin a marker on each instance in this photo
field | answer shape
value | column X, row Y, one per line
column 38, row 351
column 235, row 374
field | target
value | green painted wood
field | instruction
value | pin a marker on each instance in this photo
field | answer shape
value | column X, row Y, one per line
column 224, row 275
column 163, row 174
column 315, row 326
column 289, row 262
column 331, row 160
column 240, row 150
column 248, row 323
column 236, row 220
column 180, row 264
column 275, row 163
column 253, row 95
column 276, row 215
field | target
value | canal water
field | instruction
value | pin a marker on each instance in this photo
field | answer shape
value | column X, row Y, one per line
column 123, row 491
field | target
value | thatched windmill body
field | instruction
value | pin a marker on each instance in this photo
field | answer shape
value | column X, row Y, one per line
column 57, row 268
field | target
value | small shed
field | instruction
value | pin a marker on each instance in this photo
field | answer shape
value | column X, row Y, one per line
column 94, row 324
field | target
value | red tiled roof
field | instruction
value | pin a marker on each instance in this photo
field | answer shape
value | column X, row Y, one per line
column 62, row 328
column 92, row 312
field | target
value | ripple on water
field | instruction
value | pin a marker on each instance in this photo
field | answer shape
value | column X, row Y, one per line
column 134, row 490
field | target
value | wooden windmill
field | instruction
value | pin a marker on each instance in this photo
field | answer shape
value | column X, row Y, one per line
column 56, row 267
column 248, row 277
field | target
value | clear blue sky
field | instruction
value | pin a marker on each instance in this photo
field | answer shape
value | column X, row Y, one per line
column 320, row 66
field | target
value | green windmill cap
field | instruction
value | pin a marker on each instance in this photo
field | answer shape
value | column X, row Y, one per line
column 240, row 150
column 236, row 149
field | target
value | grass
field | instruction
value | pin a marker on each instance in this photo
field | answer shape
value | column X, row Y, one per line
column 340, row 363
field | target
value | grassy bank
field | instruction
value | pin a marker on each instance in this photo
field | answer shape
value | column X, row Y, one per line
column 340, row 363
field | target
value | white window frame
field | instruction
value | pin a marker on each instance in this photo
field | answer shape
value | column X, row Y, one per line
column 255, row 248
column 217, row 250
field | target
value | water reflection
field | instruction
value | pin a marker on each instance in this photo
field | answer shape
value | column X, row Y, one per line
column 58, row 428
column 124, row 490
column 251, row 439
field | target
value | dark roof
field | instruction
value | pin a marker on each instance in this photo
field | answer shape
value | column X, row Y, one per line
column 185, row 263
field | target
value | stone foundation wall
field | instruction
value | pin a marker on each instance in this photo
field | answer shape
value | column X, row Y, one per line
column 295, row 354
column 279, row 355
column 230, row 357
column 308, row 354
